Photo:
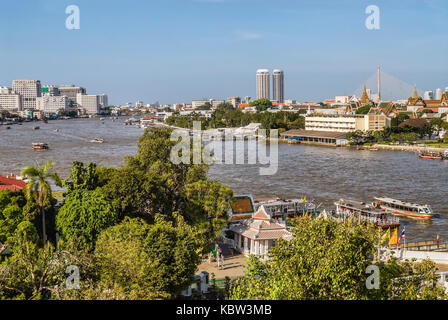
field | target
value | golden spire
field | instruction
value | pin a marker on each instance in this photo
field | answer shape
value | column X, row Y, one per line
column 415, row 94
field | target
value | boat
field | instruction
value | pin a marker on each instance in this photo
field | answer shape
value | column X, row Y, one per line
column 57, row 130
column 36, row 128
column 40, row 146
column 97, row 140
column 433, row 155
column 406, row 209
column 361, row 212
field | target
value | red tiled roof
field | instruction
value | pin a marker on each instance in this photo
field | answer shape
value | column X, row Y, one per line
column 11, row 183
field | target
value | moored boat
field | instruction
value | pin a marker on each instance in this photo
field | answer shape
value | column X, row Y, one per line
column 361, row 212
column 406, row 209
column 40, row 146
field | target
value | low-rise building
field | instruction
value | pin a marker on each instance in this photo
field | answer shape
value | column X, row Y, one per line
column 11, row 182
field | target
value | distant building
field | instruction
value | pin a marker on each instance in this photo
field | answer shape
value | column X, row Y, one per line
column 438, row 94
column 10, row 101
column 342, row 99
column 88, row 102
column 263, row 88
column 50, row 90
column 29, row 90
column 52, row 104
column 234, row 101
column 346, row 123
column 71, row 92
column 139, row 104
column 415, row 99
column 428, row 95
column 278, row 88
column 103, row 100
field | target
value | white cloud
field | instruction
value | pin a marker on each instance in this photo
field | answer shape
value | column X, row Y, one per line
column 245, row 35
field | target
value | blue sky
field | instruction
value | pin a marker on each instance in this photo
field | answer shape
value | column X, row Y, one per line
column 179, row 50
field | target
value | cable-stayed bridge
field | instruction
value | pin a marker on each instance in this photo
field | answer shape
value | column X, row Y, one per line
column 391, row 88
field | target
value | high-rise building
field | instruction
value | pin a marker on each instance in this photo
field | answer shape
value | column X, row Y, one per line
column 438, row 94
column 278, row 90
column 29, row 91
column 428, row 95
column 263, row 88
column 235, row 101
column 10, row 101
column 49, row 90
column 103, row 100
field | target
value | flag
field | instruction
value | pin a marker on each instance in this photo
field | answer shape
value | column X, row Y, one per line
column 304, row 200
column 402, row 236
column 437, row 239
column 393, row 237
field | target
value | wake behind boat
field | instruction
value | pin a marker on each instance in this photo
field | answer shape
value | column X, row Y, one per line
column 97, row 140
column 407, row 209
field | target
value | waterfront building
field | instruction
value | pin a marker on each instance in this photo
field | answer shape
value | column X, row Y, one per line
column 278, row 89
column 52, row 104
column 29, row 90
column 263, row 87
column 88, row 102
column 10, row 101
column 258, row 234
column 329, row 138
column 346, row 123
column 415, row 99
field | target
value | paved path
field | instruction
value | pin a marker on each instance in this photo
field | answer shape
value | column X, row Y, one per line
column 233, row 267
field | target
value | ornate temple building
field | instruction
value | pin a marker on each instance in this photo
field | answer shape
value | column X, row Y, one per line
column 258, row 234
column 415, row 99
column 365, row 100
column 444, row 100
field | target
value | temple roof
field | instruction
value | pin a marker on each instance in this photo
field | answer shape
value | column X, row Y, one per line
column 365, row 100
column 415, row 99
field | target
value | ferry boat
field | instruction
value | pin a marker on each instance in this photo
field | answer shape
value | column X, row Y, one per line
column 362, row 212
column 97, row 140
column 434, row 155
column 407, row 209
column 40, row 146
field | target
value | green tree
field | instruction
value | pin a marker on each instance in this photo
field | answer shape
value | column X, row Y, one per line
column 39, row 184
column 261, row 104
column 208, row 204
column 147, row 261
column 83, row 215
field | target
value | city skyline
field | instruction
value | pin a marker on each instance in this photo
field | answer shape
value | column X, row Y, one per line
column 201, row 50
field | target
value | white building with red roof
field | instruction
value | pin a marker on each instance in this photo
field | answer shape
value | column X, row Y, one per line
column 258, row 234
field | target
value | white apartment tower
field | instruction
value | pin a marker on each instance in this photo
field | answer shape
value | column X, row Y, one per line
column 263, row 88
column 278, row 90
column 29, row 90
column 428, row 95
column 438, row 94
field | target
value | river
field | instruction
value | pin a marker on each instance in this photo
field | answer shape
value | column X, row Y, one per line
column 324, row 173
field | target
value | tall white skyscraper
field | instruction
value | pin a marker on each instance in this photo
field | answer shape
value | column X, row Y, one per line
column 263, row 88
column 438, row 94
column 29, row 91
column 278, row 89
column 428, row 95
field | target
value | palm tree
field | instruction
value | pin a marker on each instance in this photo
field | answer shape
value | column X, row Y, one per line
column 39, row 184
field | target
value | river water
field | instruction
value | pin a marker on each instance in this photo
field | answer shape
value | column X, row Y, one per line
column 323, row 173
